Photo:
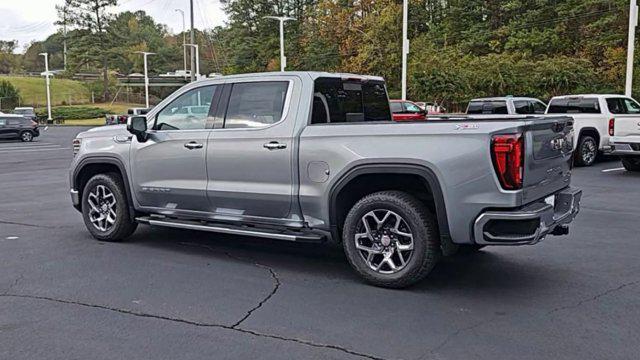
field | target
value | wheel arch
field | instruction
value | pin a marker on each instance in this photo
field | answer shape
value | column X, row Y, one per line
column 590, row 131
column 100, row 165
column 428, row 177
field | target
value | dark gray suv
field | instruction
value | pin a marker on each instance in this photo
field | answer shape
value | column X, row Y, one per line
column 18, row 127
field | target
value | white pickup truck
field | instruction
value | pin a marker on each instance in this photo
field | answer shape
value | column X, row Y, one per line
column 595, row 118
column 626, row 140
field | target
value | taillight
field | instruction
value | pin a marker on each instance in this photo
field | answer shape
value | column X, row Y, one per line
column 507, row 152
column 76, row 146
column 612, row 127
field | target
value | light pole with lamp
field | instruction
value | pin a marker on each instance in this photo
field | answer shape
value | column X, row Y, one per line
column 146, row 76
column 405, row 46
column 184, row 41
column 281, row 19
column 48, row 81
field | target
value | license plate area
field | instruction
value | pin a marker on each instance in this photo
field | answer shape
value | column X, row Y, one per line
column 551, row 200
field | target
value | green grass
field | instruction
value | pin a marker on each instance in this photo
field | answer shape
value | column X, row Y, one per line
column 117, row 108
column 33, row 91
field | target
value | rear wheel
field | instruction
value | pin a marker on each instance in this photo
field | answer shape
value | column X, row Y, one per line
column 391, row 239
column 631, row 164
column 105, row 209
column 587, row 151
column 26, row 136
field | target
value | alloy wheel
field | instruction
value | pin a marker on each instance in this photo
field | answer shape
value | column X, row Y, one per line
column 102, row 212
column 384, row 241
column 589, row 152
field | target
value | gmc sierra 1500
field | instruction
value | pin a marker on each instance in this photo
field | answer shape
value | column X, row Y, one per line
column 306, row 156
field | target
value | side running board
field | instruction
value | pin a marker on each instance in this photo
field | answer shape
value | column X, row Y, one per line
column 233, row 229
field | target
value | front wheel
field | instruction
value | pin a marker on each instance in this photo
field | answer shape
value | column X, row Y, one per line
column 391, row 239
column 587, row 151
column 631, row 164
column 26, row 136
column 105, row 209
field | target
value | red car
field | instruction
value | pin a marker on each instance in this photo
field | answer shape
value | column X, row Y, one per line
column 403, row 110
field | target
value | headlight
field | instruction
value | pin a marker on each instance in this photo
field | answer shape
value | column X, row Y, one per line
column 76, row 146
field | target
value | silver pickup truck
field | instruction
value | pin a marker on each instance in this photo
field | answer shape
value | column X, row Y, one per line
column 315, row 157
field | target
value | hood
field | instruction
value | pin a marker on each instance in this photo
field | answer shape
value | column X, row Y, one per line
column 105, row 131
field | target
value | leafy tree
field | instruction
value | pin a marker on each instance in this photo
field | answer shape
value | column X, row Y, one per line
column 9, row 95
column 93, row 43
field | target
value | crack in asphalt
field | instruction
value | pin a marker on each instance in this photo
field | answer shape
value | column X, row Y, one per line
column 193, row 323
column 274, row 276
column 30, row 225
column 594, row 298
column 13, row 284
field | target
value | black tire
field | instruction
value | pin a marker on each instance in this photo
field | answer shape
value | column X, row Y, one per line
column 631, row 164
column 469, row 248
column 123, row 226
column 26, row 136
column 586, row 151
column 421, row 224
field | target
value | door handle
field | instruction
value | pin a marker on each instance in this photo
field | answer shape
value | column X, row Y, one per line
column 274, row 145
column 193, row 145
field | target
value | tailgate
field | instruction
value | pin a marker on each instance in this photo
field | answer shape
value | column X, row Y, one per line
column 627, row 126
column 548, row 157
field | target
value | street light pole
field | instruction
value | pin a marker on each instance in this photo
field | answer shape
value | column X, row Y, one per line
column 281, row 19
column 405, row 46
column 48, row 81
column 146, row 76
column 194, row 48
column 633, row 22
column 184, row 41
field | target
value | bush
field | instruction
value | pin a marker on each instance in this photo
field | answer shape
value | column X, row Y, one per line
column 72, row 113
column 9, row 95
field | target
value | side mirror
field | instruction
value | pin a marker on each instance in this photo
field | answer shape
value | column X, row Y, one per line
column 137, row 125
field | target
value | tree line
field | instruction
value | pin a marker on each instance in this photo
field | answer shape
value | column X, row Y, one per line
column 459, row 48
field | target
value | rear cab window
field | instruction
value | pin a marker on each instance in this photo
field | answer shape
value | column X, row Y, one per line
column 574, row 106
column 339, row 100
column 488, row 107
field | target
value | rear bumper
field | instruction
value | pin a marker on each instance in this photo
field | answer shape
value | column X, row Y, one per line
column 530, row 224
column 627, row 145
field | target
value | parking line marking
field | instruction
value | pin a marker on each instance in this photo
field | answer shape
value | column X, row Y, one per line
column 612, row 170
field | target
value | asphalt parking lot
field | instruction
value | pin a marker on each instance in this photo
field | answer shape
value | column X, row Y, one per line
column 185, row 295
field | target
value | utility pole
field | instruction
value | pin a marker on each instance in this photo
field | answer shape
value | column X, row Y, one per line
column 405, row 46
column 193, row 41
column 146, row 76
column 633, row 22
column 64, row 36
column 184, row 41
column 281, row 19
column 47, row 74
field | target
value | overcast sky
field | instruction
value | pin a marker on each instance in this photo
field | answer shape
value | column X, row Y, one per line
column 28, row 20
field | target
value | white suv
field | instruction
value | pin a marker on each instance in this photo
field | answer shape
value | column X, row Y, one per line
column 595, row 116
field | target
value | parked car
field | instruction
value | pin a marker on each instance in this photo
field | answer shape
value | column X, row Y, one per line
column 403, row 110
column 507, row 105
column 122, row 119
column 18, row 127
column 431, row 108
column 593, row 116
column 314, row 157
column 625, row 131
column 28, row 113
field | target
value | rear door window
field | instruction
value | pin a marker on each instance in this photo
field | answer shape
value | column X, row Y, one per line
column 574, row 106
column 255, row 104
column 351, row 101
column 396, row 107
column 488, row 107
